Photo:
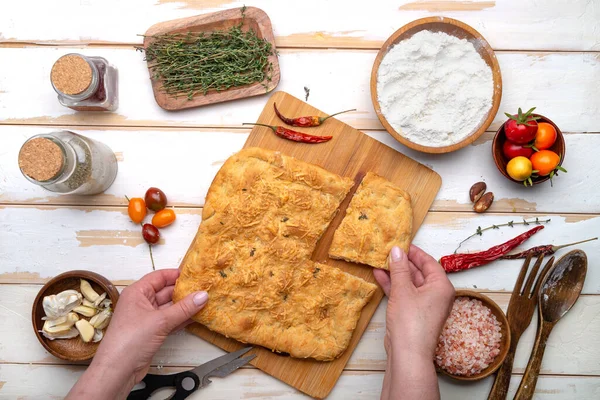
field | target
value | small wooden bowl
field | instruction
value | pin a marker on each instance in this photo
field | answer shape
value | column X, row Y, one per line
column 70, row 349
column 454, row 28
column 558, row 147
column 504, row 344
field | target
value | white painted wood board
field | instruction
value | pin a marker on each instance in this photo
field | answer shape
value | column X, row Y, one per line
column 566, row 353
column 557, row 83
column 184, row 161
column 29, row 382
column 43, row 241
column 551, row 25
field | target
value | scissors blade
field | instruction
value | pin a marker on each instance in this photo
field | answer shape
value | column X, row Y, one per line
column 226, row 369
column 210, row 366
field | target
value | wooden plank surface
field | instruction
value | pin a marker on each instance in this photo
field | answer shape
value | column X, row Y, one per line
column 28, row 382
column 351, row 154
column 550, row 58
column 43, row 241
column 142, row 156
column 549, row 25
column 557, row 83
column 566, row 354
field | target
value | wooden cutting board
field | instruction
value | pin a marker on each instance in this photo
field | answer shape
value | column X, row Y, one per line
column 350, row 153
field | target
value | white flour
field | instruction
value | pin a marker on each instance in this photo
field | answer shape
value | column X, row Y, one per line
column 434, row 89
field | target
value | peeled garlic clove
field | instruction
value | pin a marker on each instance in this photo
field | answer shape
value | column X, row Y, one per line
column 86, row 330
column 88, row 303
column 56, row 321
column 98, row 335
column 65, row 326
column 57, row 305
column 101, row 320
column 100, row 299
column 106, row 303
column 85, row 311
column 87, row 291
column 71, row 333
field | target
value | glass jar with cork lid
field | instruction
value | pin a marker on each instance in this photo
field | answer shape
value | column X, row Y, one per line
column 68, row 163
column 85, row 83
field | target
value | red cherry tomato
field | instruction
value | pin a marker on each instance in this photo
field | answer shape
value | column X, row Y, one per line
column 156, row 199
column 164, row 218
column 512, row 150
column 521, row 128
column 545, row 136
column 150, row 234
column 136, row 209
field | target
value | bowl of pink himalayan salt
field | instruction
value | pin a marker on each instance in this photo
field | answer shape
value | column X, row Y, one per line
column 475, row 339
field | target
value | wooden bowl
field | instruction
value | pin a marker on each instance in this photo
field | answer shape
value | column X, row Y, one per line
column 558, row 147
column 504, row 343
column 454, row 28
column 69, row 349
column 254, row 18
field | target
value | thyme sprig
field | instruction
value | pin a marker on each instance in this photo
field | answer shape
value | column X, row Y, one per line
column 479, row 231
column 188, row 64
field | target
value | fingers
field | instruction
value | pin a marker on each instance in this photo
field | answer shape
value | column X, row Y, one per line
column 161, row 278
column 185, row 309
column 383, row 278
column 400, row 274
column 424, row 262
column 165, row 295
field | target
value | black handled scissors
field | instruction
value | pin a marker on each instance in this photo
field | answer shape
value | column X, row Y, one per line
column 187, row 382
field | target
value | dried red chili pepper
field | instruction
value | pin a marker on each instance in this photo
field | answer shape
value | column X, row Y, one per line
column 546, row 250
column 293, row 135
column 308, row 121
column 461, row 262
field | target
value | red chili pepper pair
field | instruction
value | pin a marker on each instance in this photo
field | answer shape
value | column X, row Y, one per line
column 461, row 262
column 295, row 136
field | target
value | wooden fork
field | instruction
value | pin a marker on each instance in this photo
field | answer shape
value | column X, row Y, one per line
column 522, row 304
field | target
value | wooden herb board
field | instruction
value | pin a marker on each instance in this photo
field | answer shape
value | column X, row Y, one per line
column 254, row 18
column 350, row 153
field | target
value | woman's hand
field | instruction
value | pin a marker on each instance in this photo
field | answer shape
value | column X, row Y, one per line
column 420, row 300
column 143, row 318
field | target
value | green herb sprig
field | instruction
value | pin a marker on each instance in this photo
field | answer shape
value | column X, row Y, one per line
column 188, row 64
column 480, row 230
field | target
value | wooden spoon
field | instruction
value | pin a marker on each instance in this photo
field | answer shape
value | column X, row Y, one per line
column 559, row 292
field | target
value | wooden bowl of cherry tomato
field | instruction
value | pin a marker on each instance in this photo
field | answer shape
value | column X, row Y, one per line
column 548, row 160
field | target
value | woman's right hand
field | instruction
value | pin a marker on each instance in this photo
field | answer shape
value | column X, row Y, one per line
column 420, row 300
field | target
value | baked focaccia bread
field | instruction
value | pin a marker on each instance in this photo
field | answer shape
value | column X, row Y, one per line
column 379, row 217
column 263, row 215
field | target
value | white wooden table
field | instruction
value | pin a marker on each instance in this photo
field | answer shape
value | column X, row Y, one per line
column 549, row 54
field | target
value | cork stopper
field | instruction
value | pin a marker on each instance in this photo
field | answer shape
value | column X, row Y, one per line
column 71, row 74
column 41, row 159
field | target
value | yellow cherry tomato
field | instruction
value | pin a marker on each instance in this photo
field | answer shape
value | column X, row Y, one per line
column 164, row 218
column 519, row 168
column 137, row 209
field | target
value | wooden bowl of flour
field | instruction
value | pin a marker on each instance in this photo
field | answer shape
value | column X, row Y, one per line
column 457, row 29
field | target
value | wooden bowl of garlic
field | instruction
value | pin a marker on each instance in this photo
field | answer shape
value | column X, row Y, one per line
column 71, row 312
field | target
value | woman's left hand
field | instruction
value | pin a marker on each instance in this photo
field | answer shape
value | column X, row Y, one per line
column 143, row 318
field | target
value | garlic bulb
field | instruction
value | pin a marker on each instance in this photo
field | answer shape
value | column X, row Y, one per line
column 58, row 305
column 99, row 300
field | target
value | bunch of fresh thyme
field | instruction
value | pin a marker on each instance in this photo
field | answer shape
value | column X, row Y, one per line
column 193, row 63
